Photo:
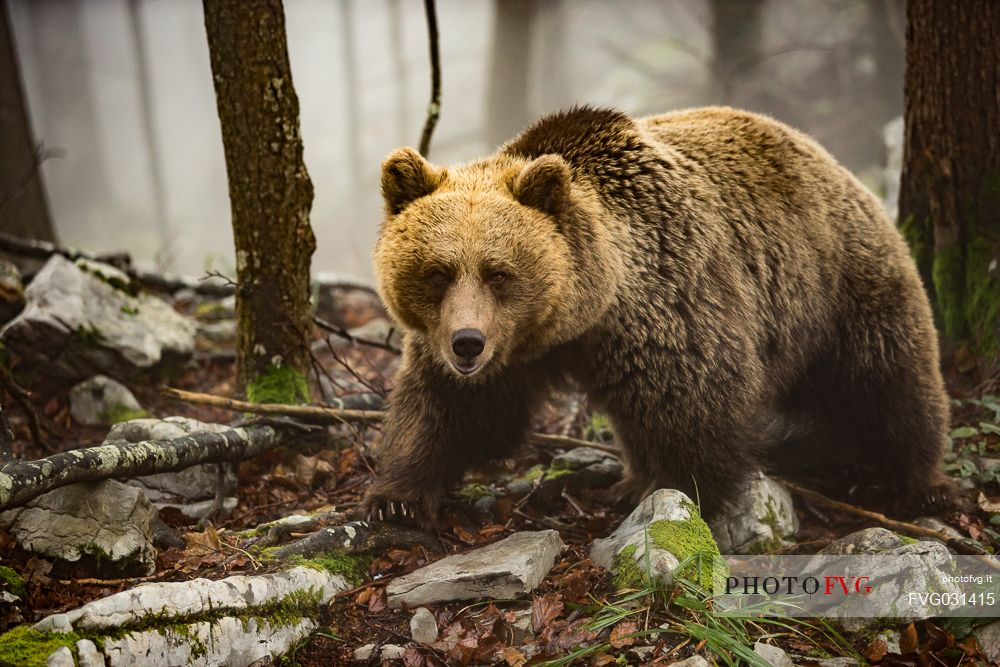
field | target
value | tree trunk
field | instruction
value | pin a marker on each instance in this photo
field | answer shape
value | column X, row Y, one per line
column 950, row 192
column 508, row 111
column 270, row 194
column 23, row 209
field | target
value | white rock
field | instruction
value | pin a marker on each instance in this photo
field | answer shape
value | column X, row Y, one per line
column 774, row 655
column 77, row 322
column 521, row 629
column 836, row 662
column 190, row 598
column 423, row 626
column 225, row 642
column 88, row 655
column 61, row 657
column 866, row 541
column 505, row 569
column 693, row 661
column 108, row 520
column 989, row 641
column 762, row 517
column 388, row 652
column 100, row 400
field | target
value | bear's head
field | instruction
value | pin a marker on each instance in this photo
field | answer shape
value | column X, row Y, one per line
column 476, row 261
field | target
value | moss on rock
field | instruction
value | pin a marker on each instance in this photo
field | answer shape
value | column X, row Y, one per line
column 11, row 581
column 688, row 538
column 25, row 647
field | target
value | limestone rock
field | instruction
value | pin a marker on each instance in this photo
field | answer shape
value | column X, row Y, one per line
column 423, row 626
column 582, row 467
column 387, row 652
column 989, row 641
column 86, row 318
column 866, row 541
column 107, row 522
column 773, row 655
column 101, row 400
column 187, row 599
column 505, row 569
column 761, row 520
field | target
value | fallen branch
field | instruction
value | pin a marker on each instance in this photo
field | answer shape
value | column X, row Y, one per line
column 358, row 537
column 893, row 524
column 22, row 481
column 311, row 413
column 162, row 283
column 324, row 415
column 23, row 399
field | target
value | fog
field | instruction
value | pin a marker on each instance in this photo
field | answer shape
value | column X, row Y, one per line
column 122, row 91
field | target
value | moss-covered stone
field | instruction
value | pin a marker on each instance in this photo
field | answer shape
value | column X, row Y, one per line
column 353, row 567
column 279, row 384
column 25, row 647
column 626, row 569
column 121, row 413
column 470, row 493
column 11, row 581
column 684, row 539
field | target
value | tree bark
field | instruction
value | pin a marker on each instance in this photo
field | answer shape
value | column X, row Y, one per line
column 950, row 192
column 270, row 194
column 24, row 211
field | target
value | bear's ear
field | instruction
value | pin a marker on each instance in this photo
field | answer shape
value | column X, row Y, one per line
column 544, row 184
column 407, row 176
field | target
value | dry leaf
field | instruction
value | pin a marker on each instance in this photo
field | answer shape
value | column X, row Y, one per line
column 512, row 656
column 544, row 610
column 619, row 634
column 202, row 544
column 876, row 650
column 908, row 640
column 989, row 505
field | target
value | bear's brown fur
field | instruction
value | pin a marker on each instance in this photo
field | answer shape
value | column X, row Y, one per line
column 712, row 279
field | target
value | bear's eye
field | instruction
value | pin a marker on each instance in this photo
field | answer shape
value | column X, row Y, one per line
column 498, row 278
column 437, row 278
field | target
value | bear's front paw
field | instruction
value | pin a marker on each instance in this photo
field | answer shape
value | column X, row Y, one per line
column 381, row 506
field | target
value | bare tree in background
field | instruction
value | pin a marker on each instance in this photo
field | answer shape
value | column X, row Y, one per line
column 950, row 193
column 512, row 55
column 270, row 194
column 23, row 209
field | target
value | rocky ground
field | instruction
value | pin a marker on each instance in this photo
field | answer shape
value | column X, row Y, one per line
column 259, row 562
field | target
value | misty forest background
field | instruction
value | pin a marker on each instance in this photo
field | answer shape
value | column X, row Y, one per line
column 119, row 94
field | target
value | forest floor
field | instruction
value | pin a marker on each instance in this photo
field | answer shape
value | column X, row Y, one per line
column 563, row 608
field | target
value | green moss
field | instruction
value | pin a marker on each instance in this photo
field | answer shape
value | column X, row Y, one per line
column 534, row 472
column 11, row 581
column 25, row 647
column 556, row 473
column 906, row 539
column 352, row 567
column 982, row 295
column 949, row 287
column 470, row 493
column 627, row 572
column 279, row 384
column 120, row 413
column 684, row 539
column 770, row 519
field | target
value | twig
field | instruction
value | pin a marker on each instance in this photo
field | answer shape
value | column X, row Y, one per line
column 898, row 526
column 330, row 415
column 308, row 412
column 351, row 338
column 434, row 107
column 23, row 399
column 22, row 481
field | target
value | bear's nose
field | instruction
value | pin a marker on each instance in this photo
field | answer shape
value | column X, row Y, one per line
column 468, row 343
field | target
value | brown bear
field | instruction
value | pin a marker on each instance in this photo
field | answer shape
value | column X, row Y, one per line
column 713, row 280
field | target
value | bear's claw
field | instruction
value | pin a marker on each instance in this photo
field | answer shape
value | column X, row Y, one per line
column 390, row 510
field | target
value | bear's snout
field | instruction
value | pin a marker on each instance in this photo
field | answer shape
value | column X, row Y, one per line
column 468, row 344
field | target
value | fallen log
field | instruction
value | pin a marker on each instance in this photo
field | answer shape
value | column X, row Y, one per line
column 22, row 481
